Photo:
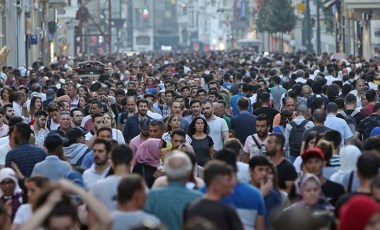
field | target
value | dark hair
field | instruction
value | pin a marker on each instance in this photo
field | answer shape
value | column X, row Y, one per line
column 333, row 136
column 2, row 111
column 106, row 143
column 317, row 103
column 157, row 123
column 350, row 99
column 227, row 156
column 319, row 115
column 142, row 100
column 169, row 127
column 41, row 182
column 194, row 101
column 96, row 115
column 263, row 117
column 53, row 142
column 376, row 107
column 371, row 95
column 332, row 107
column 258, row 161
column 310, row 136
column 280, row 139
column 213, row 92
column 73, row 110
column 368, row 165
column 22, row 132
column 121, row 155
column 234, row 144
column 128, row 186
column 191, row 129
column 216, row 168
column 178, row 132
column 103, row 129
column 339, row 102
column 327, row 149
column 33, row 103
column 243, row 103
column 14, row 120
column 119, row 92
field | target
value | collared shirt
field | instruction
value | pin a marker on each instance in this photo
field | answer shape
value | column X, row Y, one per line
column 17, row 109
column 74, row 103
column 90, row 176
column 40, row 136
column 169, row 202
column 52, row 168
column 339, row 125
column 25, row 156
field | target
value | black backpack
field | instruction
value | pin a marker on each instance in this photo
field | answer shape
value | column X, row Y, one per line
column 295, row 137
column 350, row 120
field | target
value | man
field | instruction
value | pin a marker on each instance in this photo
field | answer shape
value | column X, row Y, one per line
column 218, row 126
column 286, row 173
column 265, row 109
column 338, row 124
column 259, row 168
column 371, row 96
column 118, row 107
column 319, row 118
column 4, row 128
column 317, row 90
column 131, row 128
column 350, row 106
column 161, row 106
column 106, row 189
column 54, row 117
column 255, row 144
column 243, row 124
column 313, row 161
column 101, row 166
column 64, row 124
column 169, row 202
column 52, row 167
column 277, row 91
column 63, row 105
column 288, row 104
column 358, row 91
column 244, row 92
column 38, row 128
column 131, row 196
column 143, row 136
column 220, row 181
column 236, row 146
column 9, row 112
column 156, row 129
column 24, row 154
column 176, row 109
column 201, row 94
column 169, row 95
column 19, row 106
column 294, row 131
column 213, row 96
column 71, row 91
column 195, row 109
column 75, row 149
column 96, row 107
column 6, row 143
column 366, row 125
column 129, row 109
column 178, row 138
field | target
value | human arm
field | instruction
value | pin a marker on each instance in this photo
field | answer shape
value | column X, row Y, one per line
column 211, row 152
column 357, row 139
column 225, row 135
column 260, row 223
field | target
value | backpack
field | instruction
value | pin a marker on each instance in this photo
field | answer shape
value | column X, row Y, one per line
column 350, row 120
column 295, row 137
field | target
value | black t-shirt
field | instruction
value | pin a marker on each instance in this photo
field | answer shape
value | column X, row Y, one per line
column 285, row 172
column 332, row 191
column 366, row 125
column 318, row 129
column 358, row 116
column 222, row 216
column 270, row 112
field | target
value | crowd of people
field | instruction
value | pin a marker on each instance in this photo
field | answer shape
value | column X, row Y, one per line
column 195, row 141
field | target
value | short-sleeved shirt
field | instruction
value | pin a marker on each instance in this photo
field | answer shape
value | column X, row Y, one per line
column 339, row 125
column 243, row 124
column 128, row 220
column 285, row 172
column 270, row 112
column 217, row 127
column 251, row 147
column 366, row 125
column 202, row 149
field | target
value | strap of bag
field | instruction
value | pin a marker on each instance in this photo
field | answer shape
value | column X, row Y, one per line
column 350, row 181
column 256, row 142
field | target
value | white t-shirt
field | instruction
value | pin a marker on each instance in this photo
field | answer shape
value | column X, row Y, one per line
column 23, row 214
column 251, row 147
column 217, row 126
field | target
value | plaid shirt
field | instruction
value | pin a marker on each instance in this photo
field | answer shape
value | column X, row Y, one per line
column 169, row 202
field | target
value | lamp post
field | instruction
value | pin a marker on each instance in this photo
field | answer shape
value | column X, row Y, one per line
column 318, row 27
column 309, row 46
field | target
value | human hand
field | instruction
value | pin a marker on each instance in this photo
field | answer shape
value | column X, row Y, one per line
column 266, row 187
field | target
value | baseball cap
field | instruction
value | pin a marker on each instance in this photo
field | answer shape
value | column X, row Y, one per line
column 313, row 152
column 375, row 132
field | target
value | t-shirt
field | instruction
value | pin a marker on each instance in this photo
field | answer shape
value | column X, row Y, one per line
column 285, row 172
column 270, row 112
column 202, row 149
column 251, row 147
column 217, row 126
column 332, row 191
column 222, row 216
column 243, row 124
column 105, row 190
column 127, row 220
column 358, row 116
column 366, row 125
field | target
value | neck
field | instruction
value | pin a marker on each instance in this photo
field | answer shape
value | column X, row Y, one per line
column 121, row 170
column 278, row 158
column 365, row 186
column 199, row 133
column 100, row 168
column 142, row 137
column 263, row 138
column 129, row 206
column 350, row 107
column 210, row 118
column 211, row 195
column 319, row 123
column 264, row 105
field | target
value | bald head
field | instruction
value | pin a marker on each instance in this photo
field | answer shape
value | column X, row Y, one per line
column 178, row 167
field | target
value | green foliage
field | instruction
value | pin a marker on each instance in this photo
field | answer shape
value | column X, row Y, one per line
column 276, row 16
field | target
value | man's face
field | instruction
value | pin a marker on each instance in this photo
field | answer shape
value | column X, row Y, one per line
column 185, row 92
column 131, row 105
column 360, row 86
column 100, row 154
column 271, row 146
column 41, row 121
column 213, row 86
column 55, row 116
column 119, row 97
column 289, row 104
column 212, row 98
column 105, row 134
column 176, row 108
column 226, row 184
column 142, row 108
column 181, row 101
column 306, row 92
column 259, row 174
column 66, row 106
column 207, row 110
column 201, row 96
column 95, row 109
column 168, row 86
column 7, row 186
column 262, row 128
column 195, row 109
column 162, row 98
column 9, row 113
column 222, row 109
column 168, row 97
column 177, row 140
column 71, row 91
column 77, row 118
column 98, row 123
column 155, row 131
column 314, row 165
column 64, row 122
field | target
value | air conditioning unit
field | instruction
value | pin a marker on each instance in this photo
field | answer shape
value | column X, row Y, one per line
column 56, row 4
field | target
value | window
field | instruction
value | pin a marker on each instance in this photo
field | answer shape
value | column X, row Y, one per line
column 143, row 40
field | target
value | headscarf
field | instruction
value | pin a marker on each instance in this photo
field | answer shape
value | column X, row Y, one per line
column 8, row 173
column 149, row 152
column 349, row 155
column 301, row 181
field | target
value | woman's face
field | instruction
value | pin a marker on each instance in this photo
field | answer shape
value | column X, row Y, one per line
column 175, row 122
column 107, row 120
column 81, row 102
column 311, row 192
column 38, row 103
column 364, row 101
column 111, row 93
column 61, row 223
column 81, row 91
column 5, row 95
column 8, row 187
column 150, row 82
column 311, row 143
column 33, row 191
column 199, row 125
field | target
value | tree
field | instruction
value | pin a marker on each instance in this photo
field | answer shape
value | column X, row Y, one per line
column 276, row 16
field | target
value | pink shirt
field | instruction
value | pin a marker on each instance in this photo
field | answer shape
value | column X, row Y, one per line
column 135, row 143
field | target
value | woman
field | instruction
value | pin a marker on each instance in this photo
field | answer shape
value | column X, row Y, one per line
column 349, row 155
column 200, row 140
column 83, row 105
column 35, row 186
column 311, row 140
column 173, row 124
column 10, row 190
column 110, row 123
column 308, row 187
column 5, row 93
column 35, row 105
column 83, row 91
column 148, row 160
